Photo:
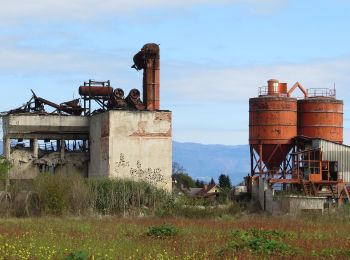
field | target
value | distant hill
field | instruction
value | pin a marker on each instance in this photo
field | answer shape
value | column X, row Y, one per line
column 206, row 161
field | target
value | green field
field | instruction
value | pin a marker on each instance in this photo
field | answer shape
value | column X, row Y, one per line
column 181, row 238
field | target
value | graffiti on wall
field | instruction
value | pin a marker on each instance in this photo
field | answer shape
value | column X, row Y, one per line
column 122, row 163
column 150, row 175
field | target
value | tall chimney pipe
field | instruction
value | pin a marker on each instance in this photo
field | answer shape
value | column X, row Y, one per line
column 148, row 59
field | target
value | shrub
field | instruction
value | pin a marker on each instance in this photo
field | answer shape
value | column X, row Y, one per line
column 259, row 241
column 80, row 255
column 5, row 203
column 115, row 196
column 330, row 252
column 60, row 193
column 5, row 165
column 162, row 231
column 234, row 208
column 79, row 195
column 201, row 208
column 53, row 191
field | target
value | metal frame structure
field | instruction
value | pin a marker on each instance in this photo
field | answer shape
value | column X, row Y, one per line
column 100, row 100
column 258, row 167
column 311, row 174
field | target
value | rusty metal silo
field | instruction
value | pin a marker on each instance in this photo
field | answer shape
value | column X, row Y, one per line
column 272, row 125
column 320, row 115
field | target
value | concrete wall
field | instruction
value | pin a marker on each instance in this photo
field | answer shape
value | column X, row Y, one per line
column 28, row 125
column 28, row 162
column 261, row 192
column 132, row 144
column 99, row 146
column 295, row 204
column 255, row 188
column 283, row 204
column 26, row 166
column 123, row 144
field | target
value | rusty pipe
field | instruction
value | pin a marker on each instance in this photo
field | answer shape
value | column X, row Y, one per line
column 297, row 85
column 93, row 91
column 148, row 59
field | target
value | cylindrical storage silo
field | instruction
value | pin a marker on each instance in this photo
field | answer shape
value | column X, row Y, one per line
column 272, row 123
column 321, row 117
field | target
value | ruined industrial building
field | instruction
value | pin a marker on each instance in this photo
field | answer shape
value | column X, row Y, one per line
column 296, row 147
column 298, row 159
column 104, row 133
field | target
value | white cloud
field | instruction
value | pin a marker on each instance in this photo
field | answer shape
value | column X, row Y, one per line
column 28, row 61
column 85, row 9
column 189, row 84
column 184, row 82
column 240, row 83
column 218, row 87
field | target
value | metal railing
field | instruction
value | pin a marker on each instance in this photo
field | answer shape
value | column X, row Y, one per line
column 264, row 91
column 321, row 92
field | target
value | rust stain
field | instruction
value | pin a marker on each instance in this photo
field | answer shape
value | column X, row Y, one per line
column 104, row 148
column 105, row 126
column 321, row 118
column 141, row 131
column 163, row 116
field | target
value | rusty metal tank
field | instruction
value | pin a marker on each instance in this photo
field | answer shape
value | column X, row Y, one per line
column 93, row 91
column 320, row 115
column 272, row 123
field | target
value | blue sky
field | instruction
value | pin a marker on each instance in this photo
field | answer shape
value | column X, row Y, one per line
column 214, row 54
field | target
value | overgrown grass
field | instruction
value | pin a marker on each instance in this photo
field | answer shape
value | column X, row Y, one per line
column 182, row 206
column 125, row 197
column 106, row 237
column 62, row 194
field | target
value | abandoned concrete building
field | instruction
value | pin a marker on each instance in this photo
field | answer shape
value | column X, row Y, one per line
column 126, row 137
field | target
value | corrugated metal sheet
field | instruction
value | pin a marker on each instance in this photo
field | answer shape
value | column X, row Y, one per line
column 335, row 152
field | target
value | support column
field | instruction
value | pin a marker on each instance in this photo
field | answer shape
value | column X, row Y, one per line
column 7, row 148
column 58, row 145
column 251, row 161
column 35, row 147
column 63, row 148
column 260, row 160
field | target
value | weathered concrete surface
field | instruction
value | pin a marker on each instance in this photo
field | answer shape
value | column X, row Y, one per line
column 132, row 144
column 26, row 166
column 261, row 192
column 123, row 144
column 255, row 189
column 294, row 205
column 27, row 162
column 48, row 126
column 284, row 204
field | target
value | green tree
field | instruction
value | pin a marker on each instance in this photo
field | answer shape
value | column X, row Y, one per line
column 212, row 182
column 200, row 184
column 225, row 182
